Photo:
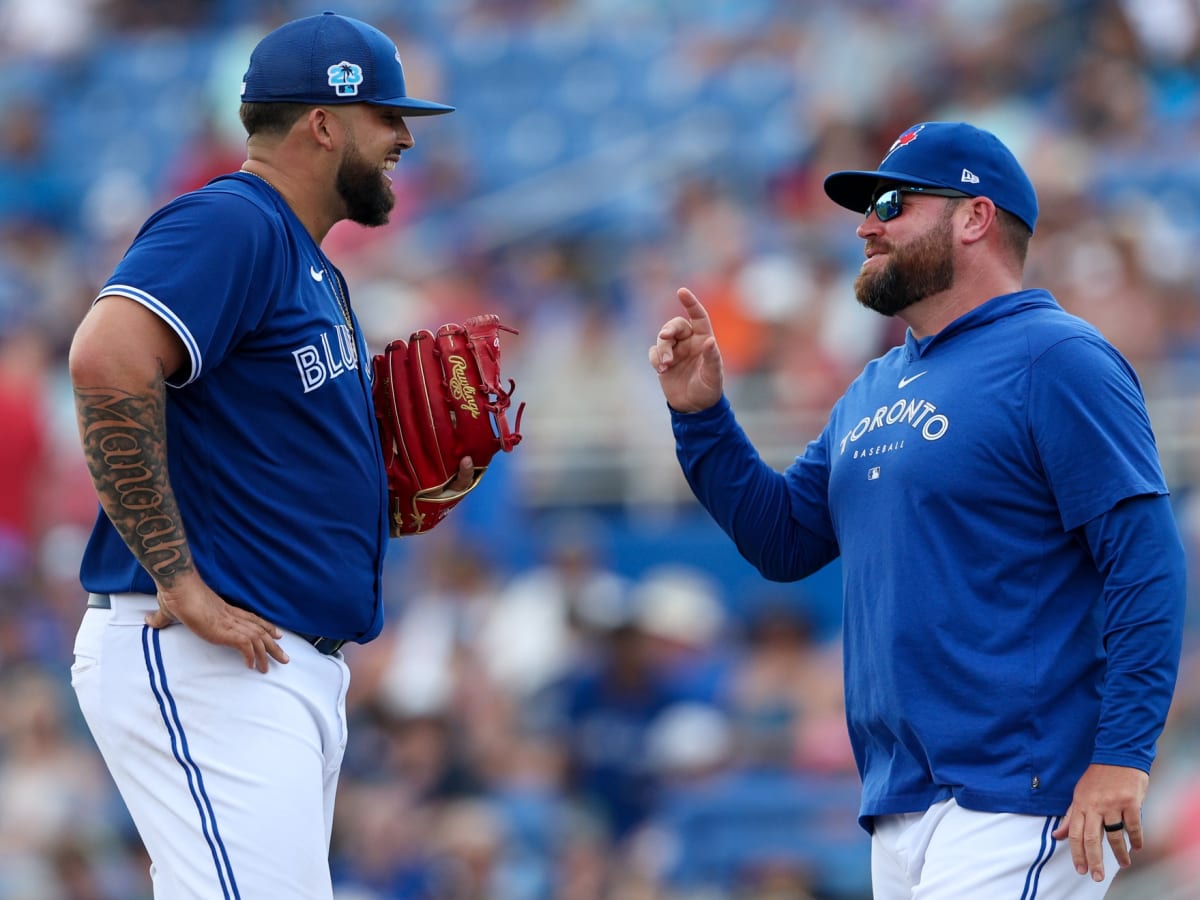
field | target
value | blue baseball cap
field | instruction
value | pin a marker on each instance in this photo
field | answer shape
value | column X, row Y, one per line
column 331, row 59
column 951, row 155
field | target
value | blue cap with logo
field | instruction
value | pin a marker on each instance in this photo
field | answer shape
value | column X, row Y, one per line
column 330, row 59
column 944, row 155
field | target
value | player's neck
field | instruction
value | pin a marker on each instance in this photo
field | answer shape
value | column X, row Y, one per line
column 978, row 277
column 930, row 315
column 300, row 200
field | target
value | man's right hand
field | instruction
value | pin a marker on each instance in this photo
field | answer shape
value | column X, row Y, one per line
column 194, row 604
column 687, row 360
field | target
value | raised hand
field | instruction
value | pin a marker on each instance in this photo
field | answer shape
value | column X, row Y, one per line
column 687, row 359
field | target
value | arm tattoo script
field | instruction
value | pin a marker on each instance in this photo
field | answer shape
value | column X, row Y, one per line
column 125, row 444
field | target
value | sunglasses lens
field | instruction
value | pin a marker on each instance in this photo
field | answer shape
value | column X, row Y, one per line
column 887, row 205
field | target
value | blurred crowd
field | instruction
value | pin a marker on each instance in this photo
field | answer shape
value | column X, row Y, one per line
column 579, row 694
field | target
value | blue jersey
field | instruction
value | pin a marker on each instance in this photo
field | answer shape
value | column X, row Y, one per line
column 1004, row 626
column 272, row 443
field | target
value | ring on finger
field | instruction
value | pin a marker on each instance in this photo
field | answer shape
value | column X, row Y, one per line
column 1116, row 826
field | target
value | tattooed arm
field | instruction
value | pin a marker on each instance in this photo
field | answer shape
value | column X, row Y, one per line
column 120, row 358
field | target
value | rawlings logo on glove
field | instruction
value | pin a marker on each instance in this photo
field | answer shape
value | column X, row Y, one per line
column 437, row 399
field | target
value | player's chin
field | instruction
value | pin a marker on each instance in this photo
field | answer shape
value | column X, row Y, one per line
column 373, row 215
column 382, row 201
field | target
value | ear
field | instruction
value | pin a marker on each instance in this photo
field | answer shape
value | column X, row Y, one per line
column 324, row 127
column 978, row 218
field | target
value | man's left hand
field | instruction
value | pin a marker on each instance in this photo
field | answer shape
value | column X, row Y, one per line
column 1105, row 795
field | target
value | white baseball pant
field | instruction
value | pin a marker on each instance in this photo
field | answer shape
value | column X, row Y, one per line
column 951, row 853
column 229, row 774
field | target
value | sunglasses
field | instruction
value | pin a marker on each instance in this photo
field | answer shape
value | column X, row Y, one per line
column 888, row 204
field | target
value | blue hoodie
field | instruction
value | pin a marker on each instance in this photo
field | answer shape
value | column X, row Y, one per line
column 1013, row 574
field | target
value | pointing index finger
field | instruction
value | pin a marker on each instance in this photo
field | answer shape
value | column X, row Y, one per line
column 695, row 310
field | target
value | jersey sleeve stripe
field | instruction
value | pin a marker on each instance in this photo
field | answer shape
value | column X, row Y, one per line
column 164, row 312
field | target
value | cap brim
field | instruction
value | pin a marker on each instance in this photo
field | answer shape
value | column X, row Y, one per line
column 855, row 189
column 414, row 107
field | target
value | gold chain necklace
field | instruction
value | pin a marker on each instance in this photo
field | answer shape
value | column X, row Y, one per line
column 341, row 299
column 335, row 282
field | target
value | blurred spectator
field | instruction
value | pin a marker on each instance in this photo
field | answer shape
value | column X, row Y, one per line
column 210, row 153
column 380, row 843
column 680, row 612
column 56, row 799
column 468, row 842
column 785, row 695
column 728, row 819
column 547, row 618
column 25, row 448
column 136, row 15
column 422, row 663
column 47, row 31
column 715, row 234
column 607, row 706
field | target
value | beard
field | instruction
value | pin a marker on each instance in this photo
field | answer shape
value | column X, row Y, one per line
column 914, row 271
column 367, row 194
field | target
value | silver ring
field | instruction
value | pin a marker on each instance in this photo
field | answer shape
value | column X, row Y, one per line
column 1116, row 826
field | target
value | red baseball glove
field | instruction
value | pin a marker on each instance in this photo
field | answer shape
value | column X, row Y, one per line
column 438, row 398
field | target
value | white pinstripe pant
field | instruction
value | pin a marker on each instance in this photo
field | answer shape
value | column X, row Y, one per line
column 229, row 774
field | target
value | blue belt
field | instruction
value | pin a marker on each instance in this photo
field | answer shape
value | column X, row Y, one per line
column 324, row 645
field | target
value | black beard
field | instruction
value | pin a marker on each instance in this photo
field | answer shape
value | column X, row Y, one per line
column 911, row 273
column 364, row 190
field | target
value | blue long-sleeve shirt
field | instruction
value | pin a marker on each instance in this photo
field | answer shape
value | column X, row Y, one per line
column 1013, row 574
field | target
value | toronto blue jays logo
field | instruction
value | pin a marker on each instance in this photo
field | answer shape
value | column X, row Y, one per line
column 345, row 77
column 903, row 141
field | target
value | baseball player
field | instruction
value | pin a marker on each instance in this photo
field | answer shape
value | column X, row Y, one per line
column 225, row 413
column 1013, row 575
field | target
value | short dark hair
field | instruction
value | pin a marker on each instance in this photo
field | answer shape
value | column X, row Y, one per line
column 271, row 118
column 1016, row 234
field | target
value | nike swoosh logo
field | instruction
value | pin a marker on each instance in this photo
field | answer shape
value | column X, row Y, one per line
column 317, row 274
column 905, row 382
